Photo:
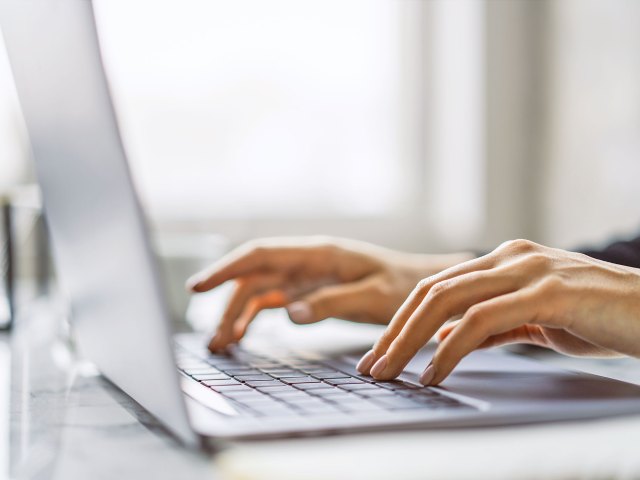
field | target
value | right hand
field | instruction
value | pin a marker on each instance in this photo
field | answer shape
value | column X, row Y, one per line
column 315, row 278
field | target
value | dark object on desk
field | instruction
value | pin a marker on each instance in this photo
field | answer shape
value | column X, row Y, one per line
column 621, row 252
column 6, row 262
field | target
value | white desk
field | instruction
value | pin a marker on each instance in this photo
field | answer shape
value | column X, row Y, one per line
column 67, row 423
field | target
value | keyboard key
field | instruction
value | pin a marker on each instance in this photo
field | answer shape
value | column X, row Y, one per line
column 396, row 385
column 259, row 376
column 296, row 380
column 319, row 370
column 220, row 382
column 264, row 365
column 242, row 371
column 305, row 365
column 389, row 385
column 344, row 381
column 313, row 386
column 358, row 386
column 379, row 392
column 408, row 385
column 209, row 376
column 200, row 369
column 214, row 376
column 229, row 366
column 286, row 374
column 262, row 383
column 291, row 392
column 329, row 375
column 269, row 389
column 230, row 388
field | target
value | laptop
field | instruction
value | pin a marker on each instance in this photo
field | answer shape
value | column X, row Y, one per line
column 119, row 313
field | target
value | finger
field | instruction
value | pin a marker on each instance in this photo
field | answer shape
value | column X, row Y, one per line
column 413, row 301
column 493, row 317
column 445, row 300
column 347, row 301
column 446, row 330
column 245, row 289
column 251, row 258
column 272, row 299
column 528, row 334
column 240, row 262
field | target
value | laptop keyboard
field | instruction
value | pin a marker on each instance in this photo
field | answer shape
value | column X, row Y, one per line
column 259, row 385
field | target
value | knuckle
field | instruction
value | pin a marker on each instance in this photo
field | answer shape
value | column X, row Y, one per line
column 324, row 248
column 440, row 289
column 551, row 284
column 519, row 245
column 475, row 316
column 537, row 260
column 327, row 250
column 423, row 285
column 259, row 250
column 252, row 247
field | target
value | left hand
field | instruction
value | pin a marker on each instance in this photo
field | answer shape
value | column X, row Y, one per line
column 520, row 293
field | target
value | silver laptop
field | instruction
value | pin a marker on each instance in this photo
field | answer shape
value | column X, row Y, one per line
column 121, row 321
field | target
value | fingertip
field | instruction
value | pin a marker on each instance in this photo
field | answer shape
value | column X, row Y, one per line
column 199, row 284
column 366, row 362
column 217, row 344
column 191, row 285
column 378, row 369
column 212, row 345
column 300, row 312
column 428, row 375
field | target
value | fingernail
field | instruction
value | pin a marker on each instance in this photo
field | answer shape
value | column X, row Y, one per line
column 427, row 376
column 364, row 365
column 300, row 312
column 379, row 367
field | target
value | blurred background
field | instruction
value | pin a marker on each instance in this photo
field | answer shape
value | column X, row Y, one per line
column 422, row 125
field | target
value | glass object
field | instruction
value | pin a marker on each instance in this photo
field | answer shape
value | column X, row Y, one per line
column 6, row 264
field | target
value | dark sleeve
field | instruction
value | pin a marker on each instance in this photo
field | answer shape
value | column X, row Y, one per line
column 623, row 253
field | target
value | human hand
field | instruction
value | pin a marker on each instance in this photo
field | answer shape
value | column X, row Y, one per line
column 520, row 293
column 315, row 278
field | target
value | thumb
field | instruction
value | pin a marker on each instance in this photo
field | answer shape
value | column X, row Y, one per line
column 346, row 301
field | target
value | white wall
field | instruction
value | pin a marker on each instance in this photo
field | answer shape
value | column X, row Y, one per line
column 591, row 181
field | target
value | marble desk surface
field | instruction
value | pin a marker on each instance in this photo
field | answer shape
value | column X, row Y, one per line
column 61, row 420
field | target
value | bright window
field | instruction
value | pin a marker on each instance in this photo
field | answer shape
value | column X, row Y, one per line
column 252, row 108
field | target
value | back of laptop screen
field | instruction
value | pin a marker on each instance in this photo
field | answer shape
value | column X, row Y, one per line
column 100, row 244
